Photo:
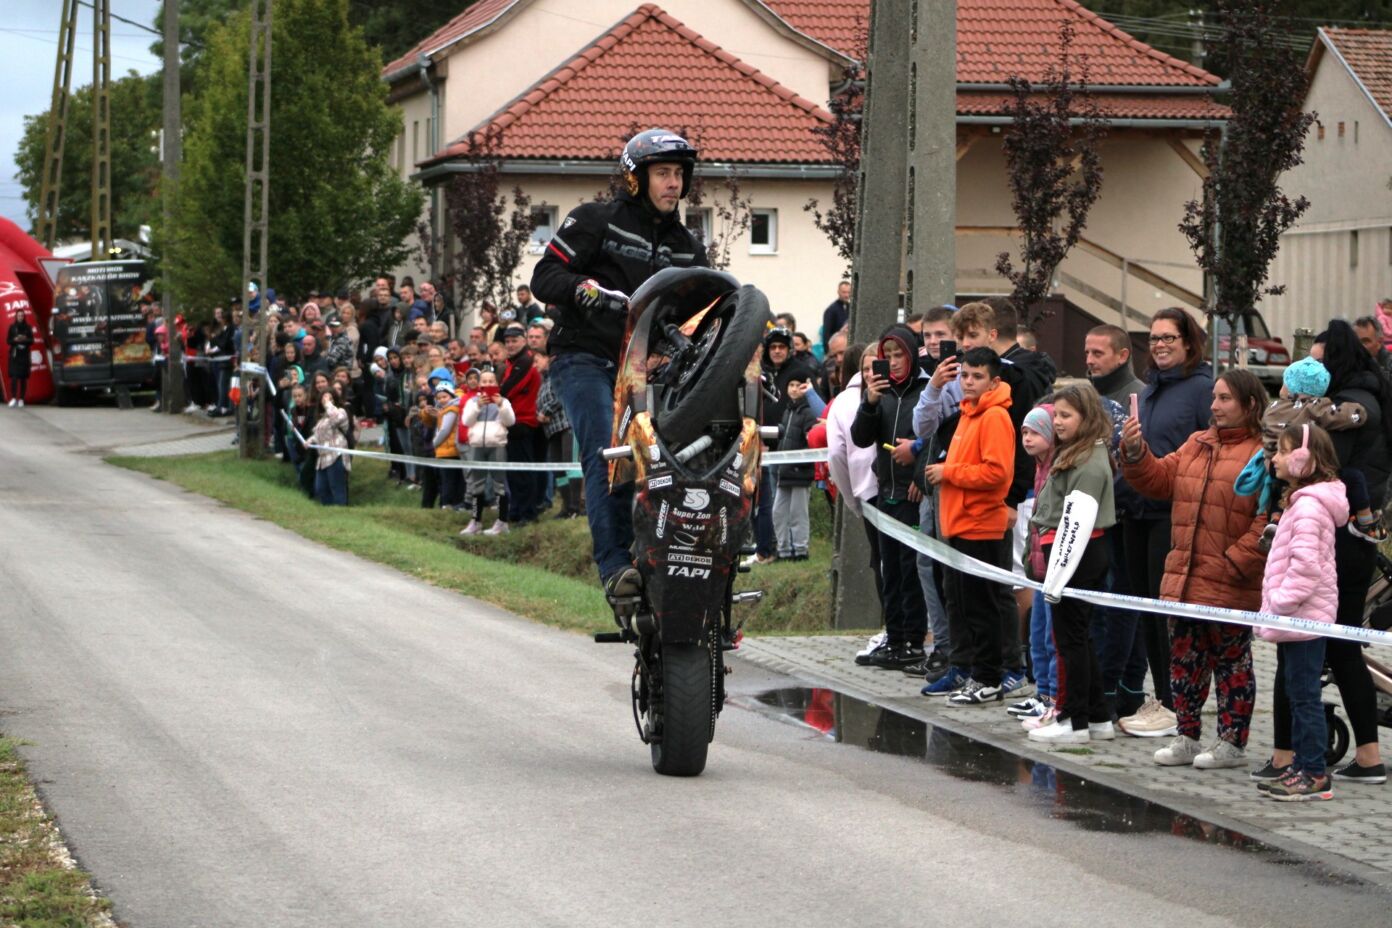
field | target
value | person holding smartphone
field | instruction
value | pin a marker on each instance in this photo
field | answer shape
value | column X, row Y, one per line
column 885, row 421
column 488, row 415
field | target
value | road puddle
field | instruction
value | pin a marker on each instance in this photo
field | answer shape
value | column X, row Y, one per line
column 840, row 719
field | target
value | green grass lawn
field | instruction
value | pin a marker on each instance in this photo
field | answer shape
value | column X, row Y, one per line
column 39, row 887
column 541, row 571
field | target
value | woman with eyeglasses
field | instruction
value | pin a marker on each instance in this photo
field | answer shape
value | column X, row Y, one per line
column 1174, row 405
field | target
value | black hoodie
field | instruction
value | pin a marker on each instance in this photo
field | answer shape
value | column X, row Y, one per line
column 891, row 419
column 1031, row 376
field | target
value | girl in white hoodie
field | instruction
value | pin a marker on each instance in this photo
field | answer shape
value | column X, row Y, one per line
column 487, row 416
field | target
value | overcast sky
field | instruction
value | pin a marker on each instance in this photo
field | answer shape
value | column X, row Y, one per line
column 28, row 46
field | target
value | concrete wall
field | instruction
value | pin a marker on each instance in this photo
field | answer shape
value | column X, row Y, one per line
column 1338, row 260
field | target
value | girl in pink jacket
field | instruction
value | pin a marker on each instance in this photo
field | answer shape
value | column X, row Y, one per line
column 1300, row 581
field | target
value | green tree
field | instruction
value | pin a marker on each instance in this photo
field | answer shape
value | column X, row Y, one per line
column 399, row 25
column 135, row 123
column 338, row 212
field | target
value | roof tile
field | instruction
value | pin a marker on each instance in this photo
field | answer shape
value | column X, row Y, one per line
column 475, row 17
column 998, row 39
column 1368, row 53
column 651, row 70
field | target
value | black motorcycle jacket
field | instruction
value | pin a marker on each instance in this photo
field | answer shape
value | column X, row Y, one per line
column 620, row 244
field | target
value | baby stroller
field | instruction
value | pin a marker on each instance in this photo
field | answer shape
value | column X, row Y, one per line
column 1377, row 614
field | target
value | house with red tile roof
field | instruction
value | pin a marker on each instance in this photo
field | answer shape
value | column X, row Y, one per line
column 1337, row 261
column 751, row 80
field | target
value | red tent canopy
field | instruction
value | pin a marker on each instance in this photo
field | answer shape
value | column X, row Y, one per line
column 24, row 288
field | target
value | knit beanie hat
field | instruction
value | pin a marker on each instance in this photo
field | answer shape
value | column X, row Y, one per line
column 1307, row 377
column 1040, row 420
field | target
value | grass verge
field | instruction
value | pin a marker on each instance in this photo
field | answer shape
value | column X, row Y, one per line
column 542, row 571
column 39, row 885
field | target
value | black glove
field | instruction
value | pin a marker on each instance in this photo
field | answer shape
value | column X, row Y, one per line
column 590, row 295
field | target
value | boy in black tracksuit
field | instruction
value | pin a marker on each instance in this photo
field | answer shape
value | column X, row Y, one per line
column 885, row 420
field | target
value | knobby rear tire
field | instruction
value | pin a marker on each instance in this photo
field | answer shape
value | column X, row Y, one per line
column 686, row 711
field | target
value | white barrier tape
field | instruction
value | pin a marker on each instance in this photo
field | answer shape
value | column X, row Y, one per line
column 453, row 463
column 949, row 557
column 810, row 456
column 249, row 367
column 304, row 442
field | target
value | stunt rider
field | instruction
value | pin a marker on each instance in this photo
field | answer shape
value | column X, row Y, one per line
column 601, row 253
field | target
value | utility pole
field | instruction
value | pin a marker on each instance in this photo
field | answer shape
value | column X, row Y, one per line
column 51, row 184
column 101, row 130
column 877, row 266
column 932, row 252
column 173, row 387
column 254, row 235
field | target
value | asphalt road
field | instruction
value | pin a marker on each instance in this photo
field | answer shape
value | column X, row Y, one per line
column 270, row 733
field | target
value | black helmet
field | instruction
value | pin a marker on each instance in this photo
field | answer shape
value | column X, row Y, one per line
column 655, row 146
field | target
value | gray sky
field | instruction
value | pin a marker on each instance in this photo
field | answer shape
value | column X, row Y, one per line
column 28, row 47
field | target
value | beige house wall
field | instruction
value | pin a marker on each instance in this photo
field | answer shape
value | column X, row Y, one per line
column 1338, row 260
column 1145, row 185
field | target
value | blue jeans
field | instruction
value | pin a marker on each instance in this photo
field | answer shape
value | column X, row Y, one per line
column 927, row 578
column 586, row 385
column 1300, row 662
column 331, row 484
column 1042, row 654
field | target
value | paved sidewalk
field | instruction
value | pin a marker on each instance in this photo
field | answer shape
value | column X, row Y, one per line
column 1352, row 834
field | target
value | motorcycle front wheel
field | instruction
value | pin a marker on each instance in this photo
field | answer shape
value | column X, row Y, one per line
column 688, row 710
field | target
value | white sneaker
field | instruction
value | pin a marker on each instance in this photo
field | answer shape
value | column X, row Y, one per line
column 874, row 642
column 1049, row 717
column 1180, row 753
column 12, row 402
column 1060, row 732
column 1101, row 731
column 1222, row 755
column 1152, row 720
column 473, row 528
column 191, row 407
column 499, row 528
column 20, row 403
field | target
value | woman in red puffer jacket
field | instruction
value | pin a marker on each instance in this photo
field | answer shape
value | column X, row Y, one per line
column 1214, row 560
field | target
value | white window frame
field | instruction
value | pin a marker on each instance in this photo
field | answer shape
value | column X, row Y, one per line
column 542, row 234
column 771, row 246
column 702, row 228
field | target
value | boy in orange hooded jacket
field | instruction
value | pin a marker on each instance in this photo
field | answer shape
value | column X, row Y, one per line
column 972, row 484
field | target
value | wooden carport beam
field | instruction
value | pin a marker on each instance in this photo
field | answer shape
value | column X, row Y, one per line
column 1196, row 164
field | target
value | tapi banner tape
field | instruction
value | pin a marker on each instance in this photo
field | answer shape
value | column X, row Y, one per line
column 958, row 561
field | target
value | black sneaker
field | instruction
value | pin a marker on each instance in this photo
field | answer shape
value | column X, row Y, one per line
column 1268, row 775
column 1355, row 773
column 869, row 657
column 897, row 657
column 933, row 665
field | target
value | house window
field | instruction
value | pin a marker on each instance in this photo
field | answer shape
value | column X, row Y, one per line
column 698, row 221
column 546, row 219
column 1353, row 248
column 1320, row 126
column 763, row 232
column 1341, row 130
column 1355, row 132
column 415, row 141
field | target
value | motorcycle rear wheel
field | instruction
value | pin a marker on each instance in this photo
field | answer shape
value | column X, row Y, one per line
column 688, row 716
column 706, row 385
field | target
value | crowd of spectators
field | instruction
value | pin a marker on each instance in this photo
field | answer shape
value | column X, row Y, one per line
column 952, row 423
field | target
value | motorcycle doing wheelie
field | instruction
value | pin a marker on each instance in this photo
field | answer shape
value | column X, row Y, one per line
column 687, row 403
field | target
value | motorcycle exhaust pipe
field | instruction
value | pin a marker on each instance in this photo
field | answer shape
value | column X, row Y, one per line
column 617, row 453
column 769, row 432
column 747, row 596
